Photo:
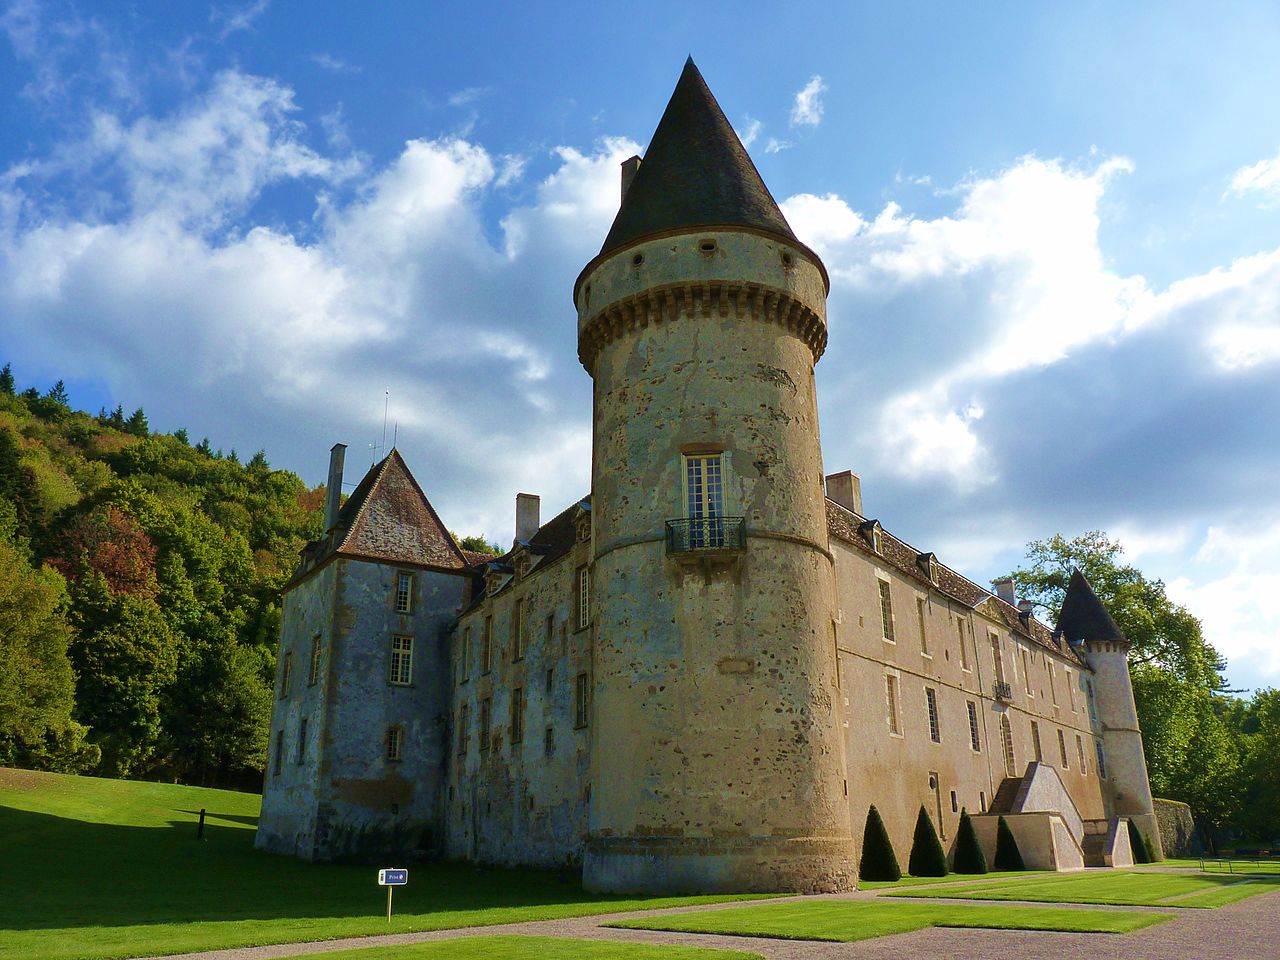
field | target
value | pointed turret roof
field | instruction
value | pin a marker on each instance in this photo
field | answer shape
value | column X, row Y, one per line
column 1083, row 617
column 695, row 173
column 388, row 517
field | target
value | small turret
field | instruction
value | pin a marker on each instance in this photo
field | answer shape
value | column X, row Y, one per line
column 1085, row 624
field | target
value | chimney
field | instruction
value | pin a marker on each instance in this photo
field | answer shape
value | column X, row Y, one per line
column 846, row 489
column 527, row 515
column 333, row 489
column 629, row 168
column 1004, row 590
column 1025, row 608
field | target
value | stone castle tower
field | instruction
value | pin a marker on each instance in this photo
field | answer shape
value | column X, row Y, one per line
column 721, row 764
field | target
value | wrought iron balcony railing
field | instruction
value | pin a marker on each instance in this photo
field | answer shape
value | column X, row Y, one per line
column 1003, row 691
column 706, row 533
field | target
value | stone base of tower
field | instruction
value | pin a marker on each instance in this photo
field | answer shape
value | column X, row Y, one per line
column 680, row 865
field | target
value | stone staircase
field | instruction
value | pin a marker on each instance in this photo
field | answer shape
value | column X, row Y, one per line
column 1002, row 802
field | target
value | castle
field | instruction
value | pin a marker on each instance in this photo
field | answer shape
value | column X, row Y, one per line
column 701, row 676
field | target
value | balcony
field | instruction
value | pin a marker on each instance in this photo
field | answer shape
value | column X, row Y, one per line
column 706, row 539
column 1003, row 692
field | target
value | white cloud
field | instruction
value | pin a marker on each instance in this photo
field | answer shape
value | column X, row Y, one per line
column 327, row 61
column 1262, row 177
column 468, row 95
column 774, row 145
column 232, row 19
column 751, row 132
column 806, row 111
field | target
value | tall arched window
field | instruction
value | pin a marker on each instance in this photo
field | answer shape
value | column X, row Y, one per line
column 1006, row 737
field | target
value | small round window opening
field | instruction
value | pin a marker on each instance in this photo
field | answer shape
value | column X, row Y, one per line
column 637, row 259
column 787, row 260
column 707, row 246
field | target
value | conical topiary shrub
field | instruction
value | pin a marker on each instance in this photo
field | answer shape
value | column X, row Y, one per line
column 878, row 859
column 969, row 855
column 1008, row 856
column 1137, row 845
column 927, row 856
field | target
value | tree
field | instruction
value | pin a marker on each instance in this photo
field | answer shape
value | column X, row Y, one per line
column 204, row 448
column 878, row 859
column 476, row 544
column 58, row 394
column 928, row 859
column 7, row 385
column 1008, row 856
column 969, row 855
column 1259, row 724
column 181, row 435
column 137, row 424
column 36, row 683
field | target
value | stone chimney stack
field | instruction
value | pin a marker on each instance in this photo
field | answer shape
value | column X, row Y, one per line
column 1004, row 590
column 629, row 168
column 527, row 507
column 333, row 489
column 846, row 489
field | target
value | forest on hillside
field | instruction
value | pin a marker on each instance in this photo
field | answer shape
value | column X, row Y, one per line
column 140, row 582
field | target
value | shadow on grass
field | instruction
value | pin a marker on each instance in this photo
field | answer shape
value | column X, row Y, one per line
column 229, row 817
column 59, row 873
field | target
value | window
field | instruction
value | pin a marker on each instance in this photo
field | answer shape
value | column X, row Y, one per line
column 401, row 659
column 279, row 753
column 485, row 706
column 1006, row 741
column 704, row 500
column 924, row 636
column 486, row 646
column 1084, row 769
column 964, row 647
column 835, row 650
column 548, row 741
column 1062, row 748
column 580, row 694
column 1102, row 759
column 404, row 593
column 466, row 655
column 1035, row 741
column 974, row 740
column 551, row 677
column 1093, row 707
column 931, row 701
column 584, row 597
column 548, row 633
column 285, row 672
column 313, row 671
column 1026, row 670
column 517, row 634
column 395, row 744
column 996, row 655
column 1053, row 684
column 517, row 715
column 464, row 728
column 955, row 802
column 982, row 800
column 584, row 530
column 1071, row 690
column 886, row 611
column 891, row 703
column 302, row 740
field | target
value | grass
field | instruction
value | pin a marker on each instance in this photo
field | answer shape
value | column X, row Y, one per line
column 103, row 869
column 535, row 948
column 1119, row 887
column 846, row 921
column 909, row 881
column 1238, row 865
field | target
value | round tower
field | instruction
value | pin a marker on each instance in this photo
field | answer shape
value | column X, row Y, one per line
column 717, row 762
column 1085, row 623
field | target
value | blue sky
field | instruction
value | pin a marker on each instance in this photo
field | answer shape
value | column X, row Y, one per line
column 1052, row 233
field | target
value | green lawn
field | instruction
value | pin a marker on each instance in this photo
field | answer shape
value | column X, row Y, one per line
column 1121, row 887
column 535, row 948
column 909, row 881
column 1236, row 866
column 849, row 920
column 99, row 869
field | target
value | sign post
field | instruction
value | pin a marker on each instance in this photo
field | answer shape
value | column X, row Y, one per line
column 392, row 878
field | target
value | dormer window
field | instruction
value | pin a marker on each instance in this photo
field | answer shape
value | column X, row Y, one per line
column 928, row 564
column 492, row 581
column 584, row 530
column 874, row 533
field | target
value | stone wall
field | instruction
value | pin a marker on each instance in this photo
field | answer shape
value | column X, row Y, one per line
column 1177, row 829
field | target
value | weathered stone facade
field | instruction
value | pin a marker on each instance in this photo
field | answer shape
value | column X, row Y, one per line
column 700, row 677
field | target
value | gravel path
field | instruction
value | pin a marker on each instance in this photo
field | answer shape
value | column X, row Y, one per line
column 1249, row 929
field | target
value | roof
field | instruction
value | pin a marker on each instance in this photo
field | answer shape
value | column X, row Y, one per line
column 845, row 525
column 695, row 173
column 1083, row 617
column 387, row 518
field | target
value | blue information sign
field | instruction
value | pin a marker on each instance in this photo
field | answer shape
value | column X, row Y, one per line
column 393, row 878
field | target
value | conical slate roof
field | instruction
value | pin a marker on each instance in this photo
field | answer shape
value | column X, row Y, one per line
column 695, row 173
column 1083, row 617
